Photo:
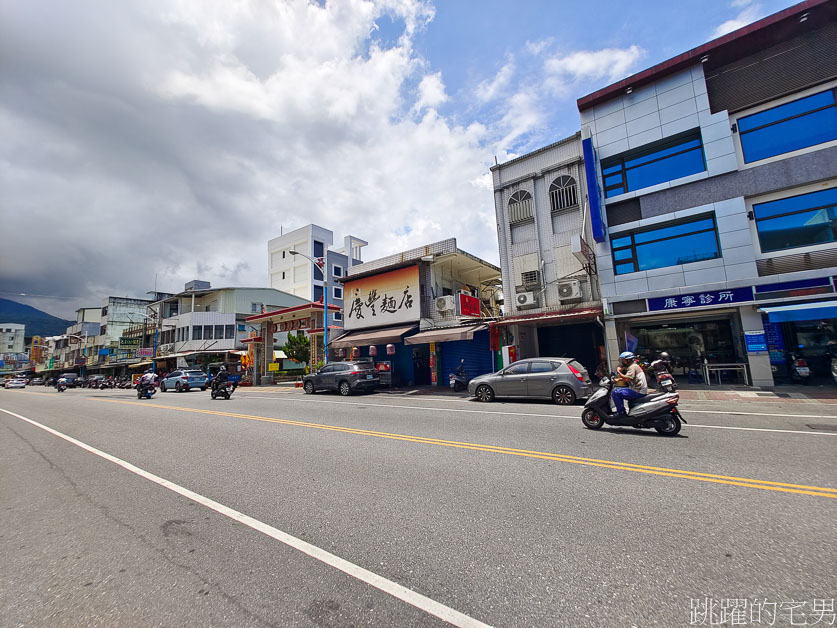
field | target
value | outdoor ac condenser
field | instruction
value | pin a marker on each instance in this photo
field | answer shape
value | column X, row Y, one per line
column 445, row 303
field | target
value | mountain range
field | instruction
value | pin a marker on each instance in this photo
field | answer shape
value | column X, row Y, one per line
column 38, row 323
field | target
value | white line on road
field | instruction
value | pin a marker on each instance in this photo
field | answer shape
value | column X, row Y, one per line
column 394, row 589
column 569, row 416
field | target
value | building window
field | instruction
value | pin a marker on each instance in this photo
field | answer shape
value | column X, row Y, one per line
column 283, row 254
column 672, row 158
column 318, row 274
column 337, row 292
column 666, row 245
column 318, row 293
column 530, row 277
column 219, row 332
column 256, row 308
column 283, row 274
column 318, row 249
column 520, row 206
column 798, row 124
column 563, row 193
column 804, row 220
column 338, row 316
column 197, row 332
column 229, row 331
column 207, row 332
column 336, row 270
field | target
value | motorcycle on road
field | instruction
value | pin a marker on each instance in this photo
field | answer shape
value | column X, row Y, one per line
column 657, row 411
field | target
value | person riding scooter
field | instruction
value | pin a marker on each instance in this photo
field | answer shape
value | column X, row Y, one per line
column 221, row 378
column 630, row 380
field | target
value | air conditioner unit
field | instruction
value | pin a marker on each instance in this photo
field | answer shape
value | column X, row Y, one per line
column 445, row 304
column 525, row 300
column 570, row 291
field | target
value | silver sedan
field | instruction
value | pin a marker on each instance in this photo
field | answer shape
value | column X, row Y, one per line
column 561, row 379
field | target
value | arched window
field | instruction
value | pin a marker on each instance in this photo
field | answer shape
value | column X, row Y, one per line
column 563, row 193
column 520, row 206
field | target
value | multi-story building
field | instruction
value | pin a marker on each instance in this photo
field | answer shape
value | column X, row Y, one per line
column 12, row 337
column 551, row 301
column 296, row 275
column 421, row 312
column 203, row 321
column 714, row 200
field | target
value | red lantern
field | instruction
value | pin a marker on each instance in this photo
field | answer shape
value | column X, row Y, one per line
column 390, row 349
column 373, row 351
column 355, row 352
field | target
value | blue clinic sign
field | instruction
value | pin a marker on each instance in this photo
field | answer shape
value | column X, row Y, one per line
column 701, row 299
column 756, row 341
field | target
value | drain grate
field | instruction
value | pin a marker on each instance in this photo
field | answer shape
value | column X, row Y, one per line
column 823, row 427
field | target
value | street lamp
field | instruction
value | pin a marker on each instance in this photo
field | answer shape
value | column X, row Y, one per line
column 323, row 270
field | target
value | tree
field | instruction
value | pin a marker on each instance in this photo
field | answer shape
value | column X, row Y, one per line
column 298, row 348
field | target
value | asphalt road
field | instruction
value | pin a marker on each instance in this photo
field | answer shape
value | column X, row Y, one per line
column 277, row 508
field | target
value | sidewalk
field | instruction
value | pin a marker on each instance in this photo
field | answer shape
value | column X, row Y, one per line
column 688, row 392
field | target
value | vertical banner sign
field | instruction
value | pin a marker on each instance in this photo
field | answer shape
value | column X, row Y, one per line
column 432, row 361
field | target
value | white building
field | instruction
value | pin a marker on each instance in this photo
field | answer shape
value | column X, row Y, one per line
column 11, row 340
column 296, row 275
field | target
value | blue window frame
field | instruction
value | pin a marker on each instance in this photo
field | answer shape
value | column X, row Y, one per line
column 804, row 220
column 677, row 156
column 670, row 244
column 798, row 124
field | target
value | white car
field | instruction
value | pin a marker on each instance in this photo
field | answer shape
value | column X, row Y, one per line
column 16, row 382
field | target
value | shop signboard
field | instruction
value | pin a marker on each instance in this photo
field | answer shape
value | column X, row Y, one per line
column 273, row 367
column 145, row 353
column 468, row 305
column 52, row 363
column 775, row 342
column 701, row 299
column 128, row 343
column 756, row 341
column 382, row 300
column 292, row 325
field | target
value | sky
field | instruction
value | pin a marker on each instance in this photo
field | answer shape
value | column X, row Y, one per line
column 146, row 144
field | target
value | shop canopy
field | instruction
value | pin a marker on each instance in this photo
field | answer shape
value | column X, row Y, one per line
column 446, row 334
column 368, row 338
column 801, row 311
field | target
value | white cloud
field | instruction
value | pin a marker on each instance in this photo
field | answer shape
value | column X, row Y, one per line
column 608, row 64
column 489, row 90
column 431, row 91
column 176, row 138
column 751, row 12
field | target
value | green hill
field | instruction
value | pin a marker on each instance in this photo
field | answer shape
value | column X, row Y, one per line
column 37, row 323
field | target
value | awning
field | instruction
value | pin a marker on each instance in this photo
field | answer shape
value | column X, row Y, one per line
column 446, row 334
column 139, row 364
column 552, row 317
column 801, row 311
column 279, row 355
column 253, row 339
column 368, row 338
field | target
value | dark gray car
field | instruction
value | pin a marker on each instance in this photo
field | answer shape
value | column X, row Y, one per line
column 344, row 377
column 561, row 379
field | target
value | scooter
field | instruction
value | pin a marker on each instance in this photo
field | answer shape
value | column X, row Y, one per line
column 458, row 379
column 799, row 370
column 61, row 387
column 658, row 411
column 662, row 373
column 145, row 391
column 224, row 390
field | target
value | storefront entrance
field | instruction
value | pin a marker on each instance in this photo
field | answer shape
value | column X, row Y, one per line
column 687, row 342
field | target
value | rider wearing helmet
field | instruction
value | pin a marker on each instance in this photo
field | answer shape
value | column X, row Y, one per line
column 632, row 381
column 220, row 378
column 149, row 377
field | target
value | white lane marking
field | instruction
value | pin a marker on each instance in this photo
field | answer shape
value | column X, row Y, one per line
column 760, row 429
column 560, row 416
column 396, row 590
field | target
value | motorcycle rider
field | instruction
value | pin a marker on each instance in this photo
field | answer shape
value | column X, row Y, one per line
column 221, row 378
column 631, row 381
column 149, row 378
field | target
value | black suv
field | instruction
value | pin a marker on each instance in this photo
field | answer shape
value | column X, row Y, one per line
column 344, row 377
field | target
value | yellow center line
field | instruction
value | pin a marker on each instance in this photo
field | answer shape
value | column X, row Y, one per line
column 802, row 489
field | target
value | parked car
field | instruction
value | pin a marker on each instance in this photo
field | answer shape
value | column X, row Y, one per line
column 561, row 379
column 15, row 382
column 344, row 377
column 184, row 381
column 37, row 381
